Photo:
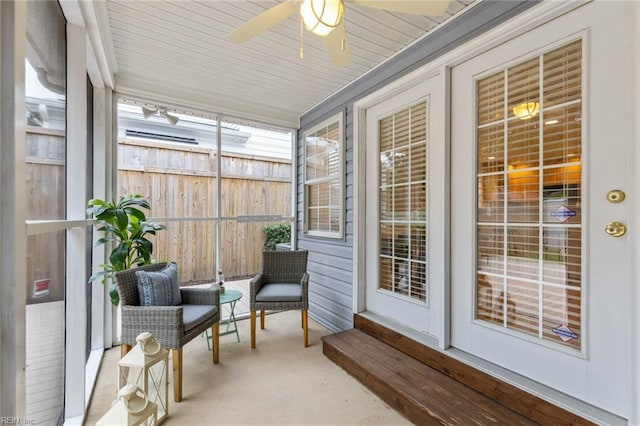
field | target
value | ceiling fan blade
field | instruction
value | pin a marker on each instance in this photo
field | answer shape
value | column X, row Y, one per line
column 334, row 43
column 415, row 7
column 263, row 22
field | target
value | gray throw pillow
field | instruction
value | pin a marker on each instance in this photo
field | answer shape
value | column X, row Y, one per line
column 159, row 288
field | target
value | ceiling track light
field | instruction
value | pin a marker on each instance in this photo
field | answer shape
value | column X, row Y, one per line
column 148, row 112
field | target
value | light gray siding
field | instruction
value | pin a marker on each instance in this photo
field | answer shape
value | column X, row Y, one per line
column 330, row 261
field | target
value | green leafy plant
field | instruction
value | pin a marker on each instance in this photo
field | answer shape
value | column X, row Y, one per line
column 125, row 225
column 276, row 233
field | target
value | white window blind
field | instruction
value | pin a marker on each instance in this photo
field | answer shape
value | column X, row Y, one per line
column 323, row 179
column 529, row 177
column 403, row 202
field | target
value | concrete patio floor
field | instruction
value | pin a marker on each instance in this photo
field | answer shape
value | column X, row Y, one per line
column 279, row 383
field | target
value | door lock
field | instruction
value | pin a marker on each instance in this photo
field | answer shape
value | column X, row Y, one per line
column 615, row 229
column 615, row 196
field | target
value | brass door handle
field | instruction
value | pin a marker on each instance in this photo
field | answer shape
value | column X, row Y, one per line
column 615, row 229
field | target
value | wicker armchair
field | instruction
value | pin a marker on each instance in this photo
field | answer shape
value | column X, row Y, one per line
column 282, row 285
column 166, row 322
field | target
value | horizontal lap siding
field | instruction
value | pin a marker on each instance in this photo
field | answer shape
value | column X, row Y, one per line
column 330, row 261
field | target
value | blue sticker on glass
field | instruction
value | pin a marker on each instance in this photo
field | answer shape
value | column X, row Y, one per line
column 563, row 213
column 564, row 332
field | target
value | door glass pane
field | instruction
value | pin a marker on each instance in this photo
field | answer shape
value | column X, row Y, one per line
column 529, row 233
column 490, row 99
column 403, row 202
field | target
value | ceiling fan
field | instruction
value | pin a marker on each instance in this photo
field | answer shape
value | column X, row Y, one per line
column 325, row 19
column 148, row 112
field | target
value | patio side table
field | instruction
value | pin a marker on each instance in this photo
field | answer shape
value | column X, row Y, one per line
column 231, row 297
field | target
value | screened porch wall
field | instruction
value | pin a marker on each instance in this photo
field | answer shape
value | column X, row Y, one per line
column 180, row 182
column 331, row 260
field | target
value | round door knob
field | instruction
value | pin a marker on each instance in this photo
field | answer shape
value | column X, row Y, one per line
column 616, row 229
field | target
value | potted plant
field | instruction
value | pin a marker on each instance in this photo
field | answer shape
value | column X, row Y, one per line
column 125, row 224
column 275, row 234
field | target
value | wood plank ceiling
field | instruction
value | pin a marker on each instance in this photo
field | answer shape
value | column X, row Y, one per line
column 178, row 52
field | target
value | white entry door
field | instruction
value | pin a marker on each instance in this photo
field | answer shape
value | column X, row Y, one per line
column 400, row 132
column 539, row 135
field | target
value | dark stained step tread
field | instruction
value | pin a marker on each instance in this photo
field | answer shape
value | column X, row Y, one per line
column 529, row 405
column 420, row 393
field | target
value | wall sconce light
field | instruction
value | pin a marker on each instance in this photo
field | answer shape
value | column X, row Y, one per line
column 526, row 110
column 321, row 16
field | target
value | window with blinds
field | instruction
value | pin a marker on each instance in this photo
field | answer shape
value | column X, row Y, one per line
column 323, row 171
column 403, row 202
column 529, row 173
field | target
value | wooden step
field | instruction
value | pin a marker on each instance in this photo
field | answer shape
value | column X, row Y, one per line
column 518, row 400
column 422, row 394
column 429, row 387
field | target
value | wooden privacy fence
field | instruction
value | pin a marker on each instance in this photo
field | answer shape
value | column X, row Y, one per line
column 45, row 173
column 180, row 182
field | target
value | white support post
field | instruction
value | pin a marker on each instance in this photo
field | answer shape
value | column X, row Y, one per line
column 76, row 273
column 294, row 190
column 100, row 124
column 444, row 176
column 218, row 195
column 13, row 252
column 359, row 193
column 111, row 171
column 102, row 329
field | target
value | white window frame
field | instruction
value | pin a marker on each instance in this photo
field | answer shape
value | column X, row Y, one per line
column 339, row 176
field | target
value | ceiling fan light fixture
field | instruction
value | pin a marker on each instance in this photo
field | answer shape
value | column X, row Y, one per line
column 526, row 110
column 321, row 16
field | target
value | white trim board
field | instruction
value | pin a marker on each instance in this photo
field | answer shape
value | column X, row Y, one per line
column 13, row 263
column 635, row 274
column 99, row 65
column 75, row 282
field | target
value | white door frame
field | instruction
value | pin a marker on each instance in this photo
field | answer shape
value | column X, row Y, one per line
column 438, row 197
column 423, row 317
column 526, row 21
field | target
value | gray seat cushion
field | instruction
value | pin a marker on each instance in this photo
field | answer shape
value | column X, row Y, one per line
column 193, row 315
column 280, row 292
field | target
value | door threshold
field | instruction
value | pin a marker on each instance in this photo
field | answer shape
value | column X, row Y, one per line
column 422, row 338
